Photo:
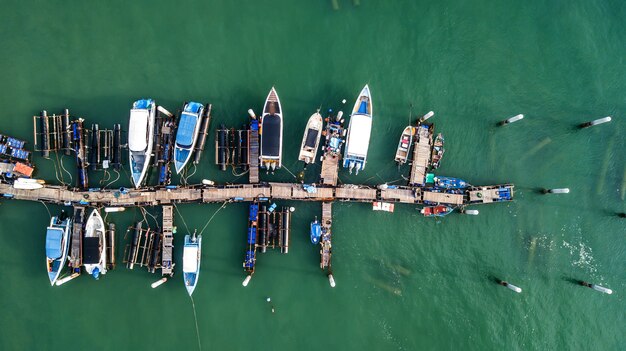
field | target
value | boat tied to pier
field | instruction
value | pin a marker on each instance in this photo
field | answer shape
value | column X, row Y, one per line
column 271, row 133
column 436, row 211
column 437, row 152
column 359, row 132
column 450, row 183
column 95, row 245
column 187, row 133
column 191, row 261
column 311, row 138
column 141, row 138
column 57, row 245
column 316, row 231
column 404, row 146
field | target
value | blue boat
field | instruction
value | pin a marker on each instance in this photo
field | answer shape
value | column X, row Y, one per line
column 141, row 138
column 57, row 245
column 187, row 133
column 191, row 261
column 450, row 183
column 316, row 231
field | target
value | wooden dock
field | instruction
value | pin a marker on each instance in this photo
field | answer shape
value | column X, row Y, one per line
column 330, row 169
column 422, row 151
column 167, row 262
column 326, row 240
column 254, row 156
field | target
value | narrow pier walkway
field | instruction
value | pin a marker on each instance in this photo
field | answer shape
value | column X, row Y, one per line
column 330, row 170
column 325, row 242
column 421, row 154
column 167, row 266
column 254, row 155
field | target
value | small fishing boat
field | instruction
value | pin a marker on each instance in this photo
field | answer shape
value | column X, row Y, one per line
column 271, row 133
column 94, row 245
column 359, row 132
column 316, row 231
column 311, row 138
column 187, row 133
column 383, row 206
column 436, row 211
column 57, row 245
column 438, row 151
column 191, row 261
column 404, row 146
column 141, row 138
column 450, row 183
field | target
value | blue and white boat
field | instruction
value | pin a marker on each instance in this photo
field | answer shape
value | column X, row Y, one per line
column 191, row 261
column 141, row 138
column 187, row 133
column 316, row 231
column 359, row 132
column 57, row 245
column 450, row 183
column 95, row 245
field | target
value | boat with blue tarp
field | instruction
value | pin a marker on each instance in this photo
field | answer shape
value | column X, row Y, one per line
column 450, row 183
column 191, row 261
column 187, row 133
column 57, row 245
column 316, row 231
column 359, row 132
column 141, row 138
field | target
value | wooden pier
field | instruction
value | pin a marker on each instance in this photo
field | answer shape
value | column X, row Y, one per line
column 326, row 240
column 254, row 156
column 167, row 261
column 421, row 154
column 330, row 166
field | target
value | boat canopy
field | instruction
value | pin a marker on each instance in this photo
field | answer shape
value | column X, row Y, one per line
column 270, row 145
column 186, row 128
column 138, row 130
column 54, row 237
column 311, row 137
column 143, row 104
column 193, row 107
column 190, row 259
column 91, row 250
column 359, row 138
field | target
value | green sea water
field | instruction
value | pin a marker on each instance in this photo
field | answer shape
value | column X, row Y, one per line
column 404, row 282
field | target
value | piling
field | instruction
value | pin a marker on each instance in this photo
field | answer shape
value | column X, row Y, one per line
column 511, row 120
column 221, row 147
column 556, row 191
column 111, row 247
column 595, row 122
column 204, row 131
column 45, row 134
column 117, row 147
column 66, row 131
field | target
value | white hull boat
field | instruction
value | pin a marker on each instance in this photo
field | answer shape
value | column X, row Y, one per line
column 141, row 138
column 359, row 132
column 94, row 245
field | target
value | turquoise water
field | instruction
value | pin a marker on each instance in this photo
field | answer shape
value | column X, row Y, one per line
column 404, row 282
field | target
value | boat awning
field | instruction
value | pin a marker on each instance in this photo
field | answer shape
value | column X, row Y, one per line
column 138, row 130
column 54, row 237
column 359, row 138
column 193, row 107
column 190, row 259
column 186, row 129
column 311, row 138
column 270, row 139
column 91, row 250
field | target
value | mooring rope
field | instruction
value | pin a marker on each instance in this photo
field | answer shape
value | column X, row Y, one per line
column 183, row 218
column 209, row 221
column 294, row 176
column 195, row 318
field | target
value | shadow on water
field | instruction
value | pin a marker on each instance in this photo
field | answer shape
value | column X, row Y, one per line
column 572, row 280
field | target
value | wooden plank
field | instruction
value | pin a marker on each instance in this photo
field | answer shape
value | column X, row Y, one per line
column 443, row 198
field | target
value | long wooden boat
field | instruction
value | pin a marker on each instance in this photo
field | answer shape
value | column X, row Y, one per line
column 141, row 138
column 404, row 145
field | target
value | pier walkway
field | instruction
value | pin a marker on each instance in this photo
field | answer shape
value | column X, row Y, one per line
column 421, row 154
column 155, row 196
column 167, row 261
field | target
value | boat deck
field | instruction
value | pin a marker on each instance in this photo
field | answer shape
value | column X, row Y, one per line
column 421, row 155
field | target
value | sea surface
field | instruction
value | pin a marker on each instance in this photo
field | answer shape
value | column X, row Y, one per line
column 404, row 282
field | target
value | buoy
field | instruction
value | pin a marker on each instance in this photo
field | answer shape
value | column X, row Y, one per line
column 158, row 283
column 427, row 116
column 251, row 113
column 67, row 279
column 343, row 101
column 331, row 280
column 208, row 182
column 556, row 191
column 511, row 286
column 246, row 281
column 511, row 120
column 268, row 299
column 292, row 209
column 471, row 212
column 596, row 122
column 114, row 209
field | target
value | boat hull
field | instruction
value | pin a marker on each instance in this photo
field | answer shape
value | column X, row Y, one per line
column 271, row 133
column 56, row 264
column 141, row 138
column 404, row 146
column 95, row 245
column 311, row 138
column 359, row 132
column 187, row 137
column 192, row 253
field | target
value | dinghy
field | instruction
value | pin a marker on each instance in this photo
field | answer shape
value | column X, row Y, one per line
column 359, row 132
column 404, row 146
column 57, row 245
column 95, row 246
column 140, row 138
column 187, row 133
column 316, row 231
column 271, row 133
column 191, row 261
column 311, row 138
